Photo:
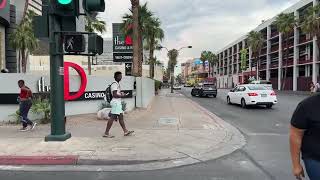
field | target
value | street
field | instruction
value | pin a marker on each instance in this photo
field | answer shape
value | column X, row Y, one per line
column 266, row 155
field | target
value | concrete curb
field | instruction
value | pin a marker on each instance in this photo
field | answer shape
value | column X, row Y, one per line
column 233, row 140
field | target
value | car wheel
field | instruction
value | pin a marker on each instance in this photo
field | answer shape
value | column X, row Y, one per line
column 243, row 103
column 269, row 106
column 228, row 100
column 215, row 96
column 192, row 93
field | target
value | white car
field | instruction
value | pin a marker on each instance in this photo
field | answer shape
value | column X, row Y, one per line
column 252, row 94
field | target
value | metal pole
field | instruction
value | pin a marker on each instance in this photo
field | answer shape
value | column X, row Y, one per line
column 58, row 130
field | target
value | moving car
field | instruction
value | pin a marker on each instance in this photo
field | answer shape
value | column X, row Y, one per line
column 252, row 94
column 204, row 89
column 265, row 83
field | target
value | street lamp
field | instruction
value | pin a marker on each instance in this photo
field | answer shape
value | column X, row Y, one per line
column 172, row 78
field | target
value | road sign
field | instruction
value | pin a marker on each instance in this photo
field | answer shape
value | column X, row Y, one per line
column 128, row 69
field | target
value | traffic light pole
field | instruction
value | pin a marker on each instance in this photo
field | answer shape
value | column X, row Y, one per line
column 58, row 129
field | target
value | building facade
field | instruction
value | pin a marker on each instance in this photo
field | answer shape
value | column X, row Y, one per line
column 302, row 66
column 11, row 14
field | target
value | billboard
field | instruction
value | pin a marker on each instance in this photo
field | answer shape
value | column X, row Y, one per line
column 5, row 12
column 122, row 45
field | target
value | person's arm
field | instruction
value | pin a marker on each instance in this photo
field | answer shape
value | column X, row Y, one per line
column 296, row 136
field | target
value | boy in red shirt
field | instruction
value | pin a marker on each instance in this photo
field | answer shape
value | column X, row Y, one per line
column 25, row 105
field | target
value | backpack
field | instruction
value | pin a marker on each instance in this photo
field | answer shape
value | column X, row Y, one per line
column 108, row 93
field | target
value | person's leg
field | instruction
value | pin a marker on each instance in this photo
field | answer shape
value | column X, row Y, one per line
column 28, row 106
column 122, row 124
column 109, row 124
column 312, row 168
column 22, row 111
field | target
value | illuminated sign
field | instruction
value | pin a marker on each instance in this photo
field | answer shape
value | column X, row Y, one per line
column 3, row 4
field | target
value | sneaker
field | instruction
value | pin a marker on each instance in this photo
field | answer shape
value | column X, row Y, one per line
column 33, row 126
column 23, row 129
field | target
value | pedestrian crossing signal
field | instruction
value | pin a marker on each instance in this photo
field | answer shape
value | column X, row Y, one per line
column 74, row 43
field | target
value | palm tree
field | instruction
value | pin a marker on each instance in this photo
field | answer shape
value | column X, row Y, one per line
column 150, row 33
column 153, row 35
column 311, row 23
column 204, row 57
column 94, row 25
column 213, row 59
column 172, row 55
column 24, row 40
column 134, row 22
column 285, row 24
column 255, row 41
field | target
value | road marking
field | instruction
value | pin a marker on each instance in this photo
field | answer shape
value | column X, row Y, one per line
column 265, row 134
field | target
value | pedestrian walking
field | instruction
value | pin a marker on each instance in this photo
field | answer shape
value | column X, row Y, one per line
column 25, row 104
column 305, row 138
column 312, row 88
column 116, row 107
column 317, row 87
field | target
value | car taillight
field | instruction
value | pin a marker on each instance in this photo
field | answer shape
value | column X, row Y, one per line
column 273, row 94
column 252, row 94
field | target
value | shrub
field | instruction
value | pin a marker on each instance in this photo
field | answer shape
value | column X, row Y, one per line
column 42, row 106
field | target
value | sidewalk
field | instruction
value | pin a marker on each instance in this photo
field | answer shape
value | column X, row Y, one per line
column 174, row 131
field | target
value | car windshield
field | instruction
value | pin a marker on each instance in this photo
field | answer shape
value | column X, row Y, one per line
column 257, row 88
column 208, row 85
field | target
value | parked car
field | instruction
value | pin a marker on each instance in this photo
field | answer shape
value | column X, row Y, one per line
column 252, row 94
column 205, row 89
column 177, row 87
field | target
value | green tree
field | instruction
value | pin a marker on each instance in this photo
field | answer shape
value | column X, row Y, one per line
column 255, row 41
column 204, row 57
column 133, row 25
column 24, row 40
column 153, row 35
column 243, row 61
column 213, row 60
column 311, row 23
column 285, row 24
column 94, row 25
column 172, row 55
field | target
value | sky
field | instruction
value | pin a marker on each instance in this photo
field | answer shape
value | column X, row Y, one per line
column 203, row 24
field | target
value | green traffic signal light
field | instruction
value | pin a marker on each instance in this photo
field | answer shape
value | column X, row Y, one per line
column 64, row 2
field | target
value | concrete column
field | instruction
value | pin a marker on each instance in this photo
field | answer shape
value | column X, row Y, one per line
column 306, row 71
column 250, row 59
column 280, row 62
column 295, row 55
column 228, row 64
column 223, row 58
column 315, row 68
column 238, row 57
column 268, row 52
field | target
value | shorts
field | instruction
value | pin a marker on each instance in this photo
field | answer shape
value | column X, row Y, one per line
column 116, row 109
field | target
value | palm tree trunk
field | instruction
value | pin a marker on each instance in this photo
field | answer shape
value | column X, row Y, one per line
column 172, row 80
column 19, row 62
column 151, row 58
column 209, row 74
column 23, row 58
column 286, row 64
column 136, row 38
column 89, row 65
column 257, row 67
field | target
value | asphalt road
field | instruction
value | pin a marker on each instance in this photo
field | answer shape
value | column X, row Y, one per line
column 265, row 157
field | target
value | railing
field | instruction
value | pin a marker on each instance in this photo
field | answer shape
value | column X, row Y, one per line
column 305, row 60
column 290, row 44
column 274, row 65
column 274, row 34
column 275, row 48
column 304, row 39
column 263, row 67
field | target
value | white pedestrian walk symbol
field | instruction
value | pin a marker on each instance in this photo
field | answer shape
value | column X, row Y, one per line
column 70, row 43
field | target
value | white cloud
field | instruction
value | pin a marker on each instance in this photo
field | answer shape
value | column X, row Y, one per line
column 204, row 24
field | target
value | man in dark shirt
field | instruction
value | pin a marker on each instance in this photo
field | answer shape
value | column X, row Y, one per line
column 305, row 138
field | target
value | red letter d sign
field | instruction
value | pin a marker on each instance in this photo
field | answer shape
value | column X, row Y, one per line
column 83, row 85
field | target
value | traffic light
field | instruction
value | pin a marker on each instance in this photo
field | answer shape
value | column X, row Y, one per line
column 66, row 7
column 95, row 44
column 91, row 7
column 74, row 43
